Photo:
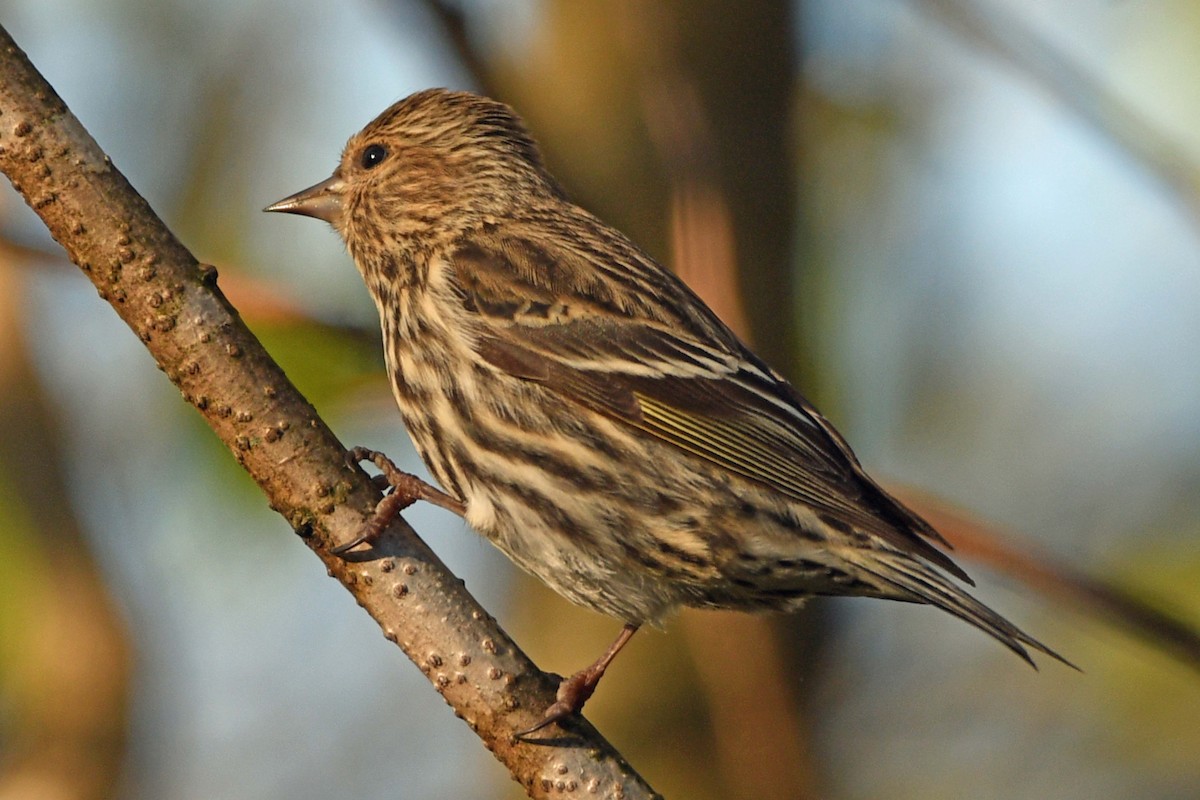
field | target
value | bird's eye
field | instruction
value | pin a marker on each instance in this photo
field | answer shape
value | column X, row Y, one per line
column 372, row 156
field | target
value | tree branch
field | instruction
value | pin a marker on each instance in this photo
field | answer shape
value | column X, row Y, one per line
column 172, row 303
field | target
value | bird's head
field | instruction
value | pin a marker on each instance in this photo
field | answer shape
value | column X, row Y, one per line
column 437, row 163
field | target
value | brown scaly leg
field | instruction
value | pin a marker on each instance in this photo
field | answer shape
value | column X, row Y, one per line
column 406, row 490
column 574, row 691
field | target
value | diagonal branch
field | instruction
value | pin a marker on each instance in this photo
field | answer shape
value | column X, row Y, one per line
column 196, row 337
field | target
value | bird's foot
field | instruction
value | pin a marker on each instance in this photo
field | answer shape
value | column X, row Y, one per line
column 574, row 691
column 406, row 489
column 572, row 694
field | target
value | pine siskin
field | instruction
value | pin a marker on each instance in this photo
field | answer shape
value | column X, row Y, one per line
column 589, row 414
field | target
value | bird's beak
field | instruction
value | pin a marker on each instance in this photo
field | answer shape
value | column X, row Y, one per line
column 323, row 201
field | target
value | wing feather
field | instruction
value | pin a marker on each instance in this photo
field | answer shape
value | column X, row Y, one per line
column 667, row 366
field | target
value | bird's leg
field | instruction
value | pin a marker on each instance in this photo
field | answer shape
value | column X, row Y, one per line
column 574, row 691
column 408, row 486
column 406, row 489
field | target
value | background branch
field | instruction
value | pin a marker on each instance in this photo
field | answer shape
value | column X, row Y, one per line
column 990, row 28
column 196, row 337
column 1055, row 579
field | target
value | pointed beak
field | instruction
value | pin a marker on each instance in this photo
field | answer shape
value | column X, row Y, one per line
column 323, row 201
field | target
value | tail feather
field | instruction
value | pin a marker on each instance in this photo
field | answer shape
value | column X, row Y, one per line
column 914, row 581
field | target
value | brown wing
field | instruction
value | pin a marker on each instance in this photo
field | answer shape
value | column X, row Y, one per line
column 646, row 352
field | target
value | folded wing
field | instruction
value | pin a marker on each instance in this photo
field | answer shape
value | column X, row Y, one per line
column 665, row 365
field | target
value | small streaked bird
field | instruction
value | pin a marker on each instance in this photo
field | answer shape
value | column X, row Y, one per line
column 586, row 412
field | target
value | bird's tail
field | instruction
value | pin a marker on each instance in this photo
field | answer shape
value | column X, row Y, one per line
column 903, row 578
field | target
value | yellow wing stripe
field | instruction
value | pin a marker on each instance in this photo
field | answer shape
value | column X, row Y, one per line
column 720, row 441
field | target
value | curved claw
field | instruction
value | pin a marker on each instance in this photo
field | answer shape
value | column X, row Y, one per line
column 345, row 547
column 356, row 455
column 574, row 691
column 557, row 712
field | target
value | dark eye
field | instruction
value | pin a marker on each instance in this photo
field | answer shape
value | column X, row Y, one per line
column 372, row 156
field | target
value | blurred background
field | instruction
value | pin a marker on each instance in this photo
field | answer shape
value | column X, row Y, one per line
column 968, row 229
